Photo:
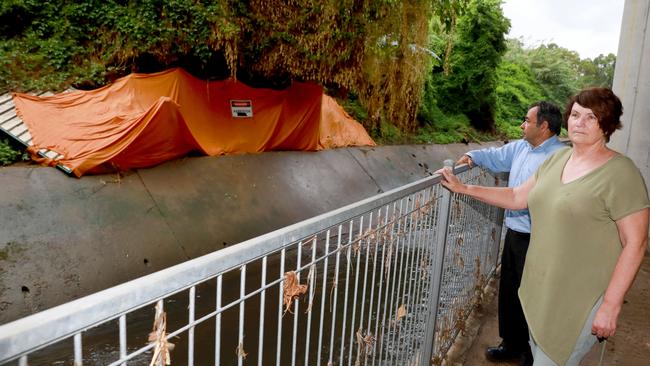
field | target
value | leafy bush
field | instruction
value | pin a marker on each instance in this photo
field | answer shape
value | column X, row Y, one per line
column 509, row 130
column 354, row 108
column 442, row 128
column 7, row 154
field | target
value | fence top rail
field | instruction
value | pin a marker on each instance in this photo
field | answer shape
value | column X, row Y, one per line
column 49, row 326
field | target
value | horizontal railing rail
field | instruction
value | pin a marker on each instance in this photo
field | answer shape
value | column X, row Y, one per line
column 362, row 282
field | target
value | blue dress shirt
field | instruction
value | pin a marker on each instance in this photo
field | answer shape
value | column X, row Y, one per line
column 521, row 160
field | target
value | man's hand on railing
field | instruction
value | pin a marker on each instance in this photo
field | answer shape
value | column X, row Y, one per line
column 465, row 159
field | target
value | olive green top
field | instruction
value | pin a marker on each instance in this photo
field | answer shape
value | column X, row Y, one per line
column 574, row 246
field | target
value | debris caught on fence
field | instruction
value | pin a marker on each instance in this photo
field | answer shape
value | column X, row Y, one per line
column 240, row 351
column 311, row 277
column 291, row 289
column 401, row 312
column 366, row 343
column 158, row 336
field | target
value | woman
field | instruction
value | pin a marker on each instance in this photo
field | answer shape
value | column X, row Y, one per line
column 589, row 213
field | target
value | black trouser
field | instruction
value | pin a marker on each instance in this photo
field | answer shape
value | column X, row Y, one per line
column 512, row 323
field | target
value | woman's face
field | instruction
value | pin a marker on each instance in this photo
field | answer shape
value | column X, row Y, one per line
column 583, row 126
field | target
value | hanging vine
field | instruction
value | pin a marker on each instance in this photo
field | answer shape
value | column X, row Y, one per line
column 378, row 49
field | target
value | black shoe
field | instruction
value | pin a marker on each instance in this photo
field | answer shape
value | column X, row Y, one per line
column 526, row 359
column 503, row 353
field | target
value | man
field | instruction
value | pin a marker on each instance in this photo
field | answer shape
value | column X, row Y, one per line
column 521, row 158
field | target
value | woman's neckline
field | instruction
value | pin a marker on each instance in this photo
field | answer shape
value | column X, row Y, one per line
column 595, row 169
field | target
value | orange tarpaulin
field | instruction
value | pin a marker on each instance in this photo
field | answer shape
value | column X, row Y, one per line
column 144, row 119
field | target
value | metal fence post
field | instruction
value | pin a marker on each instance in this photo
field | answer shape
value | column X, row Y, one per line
column 436, row 275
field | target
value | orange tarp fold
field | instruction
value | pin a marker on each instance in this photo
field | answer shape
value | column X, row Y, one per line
column 339, row 129
column 145, row 119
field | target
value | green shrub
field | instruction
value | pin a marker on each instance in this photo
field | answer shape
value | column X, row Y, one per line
column 7, row 154
column 389, row 134
column 354, row 108
column 509, row 130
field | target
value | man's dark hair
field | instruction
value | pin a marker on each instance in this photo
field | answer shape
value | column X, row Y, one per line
column 550, row 113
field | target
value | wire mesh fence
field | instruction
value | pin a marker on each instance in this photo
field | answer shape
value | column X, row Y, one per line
column 385, row 281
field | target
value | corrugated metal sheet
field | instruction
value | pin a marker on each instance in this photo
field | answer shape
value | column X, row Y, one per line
column 14, row 128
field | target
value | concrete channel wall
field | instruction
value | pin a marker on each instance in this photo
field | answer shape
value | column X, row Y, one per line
column 62, row 238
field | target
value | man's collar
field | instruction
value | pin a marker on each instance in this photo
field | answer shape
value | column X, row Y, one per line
column 546, row 142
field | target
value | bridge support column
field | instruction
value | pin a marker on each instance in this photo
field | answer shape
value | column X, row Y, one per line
column 632, row 85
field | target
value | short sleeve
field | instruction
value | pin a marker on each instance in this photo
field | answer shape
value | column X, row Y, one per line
column 628, row 192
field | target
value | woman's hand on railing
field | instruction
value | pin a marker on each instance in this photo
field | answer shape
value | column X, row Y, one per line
column 450, row 181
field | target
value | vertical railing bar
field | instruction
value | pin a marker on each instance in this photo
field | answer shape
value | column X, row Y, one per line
column 347, row 282
column 397, row 303
column 458, row 280
column 296, row 307
column 242, row 307
column 260, row 342
column 78, row 354
column 500, row 219
column 433, row 214
column 323, row 299
column 407, row 284
column 217, row 325
column 471, row 281
column 489, row 215
column 487, row 243
column 383, row 236
column 377, row 236
column 419, row 265
column 445, row 230
column 335, row 295
column 190, row 332
column 419, row 286
column 390, row 283
column 436, row 276
column 311, row 289
column 22, row 361
column 440, row 209
column 356, row 290
column 413, row 244
column 280, row 301
column 450, row 283
column 430, row 249
column 414, row 264
column 368, row 235
column 122, row 330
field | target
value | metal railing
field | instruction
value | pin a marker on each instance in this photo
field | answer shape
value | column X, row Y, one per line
column 385, row 281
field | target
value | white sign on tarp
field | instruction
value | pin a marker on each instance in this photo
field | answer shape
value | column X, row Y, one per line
column 241, row 108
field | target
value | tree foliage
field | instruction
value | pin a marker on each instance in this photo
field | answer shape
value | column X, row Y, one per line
column 469, row 84
column 599, row 71
column 547, row 72
column 375, row 48
column 438, row 59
